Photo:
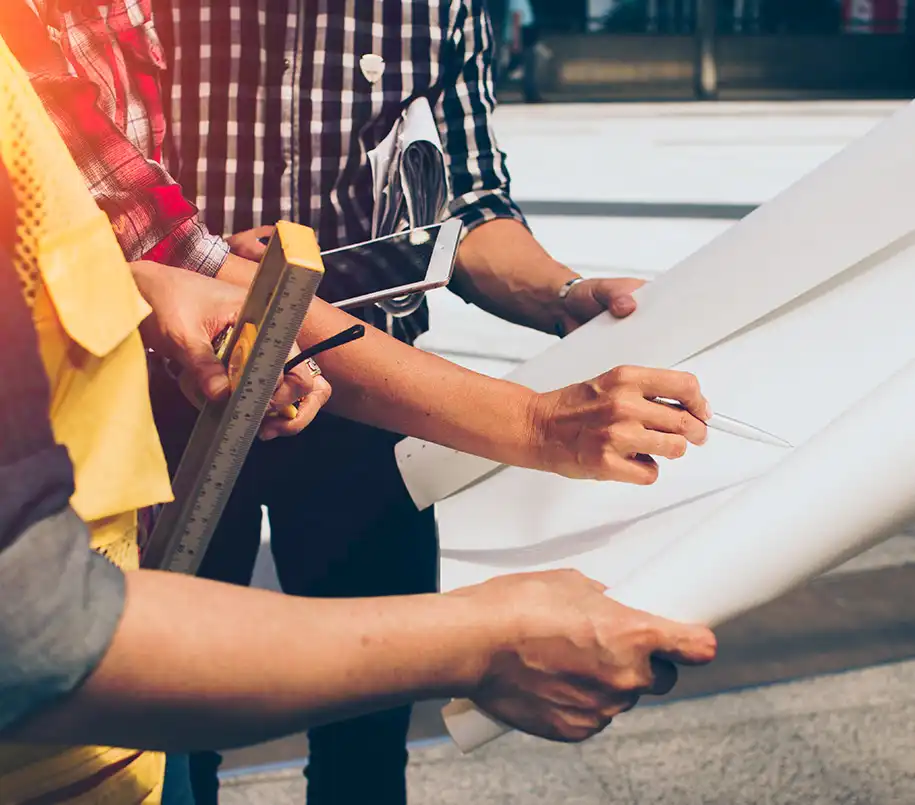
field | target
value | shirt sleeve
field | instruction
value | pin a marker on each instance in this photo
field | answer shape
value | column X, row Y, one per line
column 480, row 181
column 60, row 602
column 148, row 212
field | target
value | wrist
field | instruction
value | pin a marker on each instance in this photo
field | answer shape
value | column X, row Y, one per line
column 487, row 627
column 539, row 417
column 561, row 280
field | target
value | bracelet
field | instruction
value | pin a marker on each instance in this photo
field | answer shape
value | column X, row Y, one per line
column 563, row 293
column 568, row 286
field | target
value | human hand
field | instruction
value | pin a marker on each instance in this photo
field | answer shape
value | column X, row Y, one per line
column 189, row 312
column 608, row 428
column 247, row 244
column 288, row 413
column 591, row 297
column 574, row 658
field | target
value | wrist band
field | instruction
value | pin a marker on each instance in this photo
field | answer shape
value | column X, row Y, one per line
column 568, row 286
column 563, row 293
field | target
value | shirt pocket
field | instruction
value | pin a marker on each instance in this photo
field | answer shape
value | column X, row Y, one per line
column 84, row 272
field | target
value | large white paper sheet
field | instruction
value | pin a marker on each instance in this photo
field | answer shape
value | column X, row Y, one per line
column 790, row 374
column 846, row 489
column 794, row 320
column 848, row 210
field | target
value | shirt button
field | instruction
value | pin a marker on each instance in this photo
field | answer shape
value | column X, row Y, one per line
column 286, row 64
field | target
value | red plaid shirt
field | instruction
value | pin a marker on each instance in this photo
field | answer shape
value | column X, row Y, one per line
column 96, row 64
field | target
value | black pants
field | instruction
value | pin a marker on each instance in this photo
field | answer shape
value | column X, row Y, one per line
column 342, row 525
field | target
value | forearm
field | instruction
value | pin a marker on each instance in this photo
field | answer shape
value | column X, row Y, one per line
column 196, row 664
column 381, row 382
column 502, row 269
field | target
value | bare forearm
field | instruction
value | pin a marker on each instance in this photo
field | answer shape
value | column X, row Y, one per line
column 381, row 382
column 197, row 664
column 502, row 269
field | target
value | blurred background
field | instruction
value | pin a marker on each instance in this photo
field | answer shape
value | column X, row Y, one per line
column 731, row 49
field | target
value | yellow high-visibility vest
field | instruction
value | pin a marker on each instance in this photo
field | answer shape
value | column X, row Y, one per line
column 86, row 310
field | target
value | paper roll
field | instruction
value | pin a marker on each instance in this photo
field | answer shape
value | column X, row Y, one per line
column 842, row 492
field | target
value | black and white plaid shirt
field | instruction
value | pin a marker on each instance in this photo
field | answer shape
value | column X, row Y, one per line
column 271, row 116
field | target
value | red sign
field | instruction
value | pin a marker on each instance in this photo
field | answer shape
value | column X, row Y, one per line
column 874, row 16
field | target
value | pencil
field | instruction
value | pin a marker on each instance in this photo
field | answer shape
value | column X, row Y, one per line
column 350, row 334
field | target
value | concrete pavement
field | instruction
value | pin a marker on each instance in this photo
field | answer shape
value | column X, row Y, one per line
column 846, row 738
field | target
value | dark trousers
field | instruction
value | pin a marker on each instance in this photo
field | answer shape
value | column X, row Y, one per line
column 342, row 525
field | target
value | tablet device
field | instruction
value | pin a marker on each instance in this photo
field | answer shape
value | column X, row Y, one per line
column 394, row 266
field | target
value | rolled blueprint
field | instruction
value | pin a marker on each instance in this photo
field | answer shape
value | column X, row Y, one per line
column 849, row 487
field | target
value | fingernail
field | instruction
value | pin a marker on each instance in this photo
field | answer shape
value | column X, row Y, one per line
column 708, row 412
column 216, row 388
column 623, row 307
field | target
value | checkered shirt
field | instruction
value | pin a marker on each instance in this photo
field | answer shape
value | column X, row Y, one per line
column 97, row 66
column 271, row 116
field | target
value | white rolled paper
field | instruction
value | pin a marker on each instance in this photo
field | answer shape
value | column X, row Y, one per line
column 849, row 487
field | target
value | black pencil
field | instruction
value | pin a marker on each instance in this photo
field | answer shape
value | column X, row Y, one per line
column 350, row 334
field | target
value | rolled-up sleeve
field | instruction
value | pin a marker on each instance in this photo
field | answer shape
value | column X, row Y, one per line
column 480, row 181
column 147, row 209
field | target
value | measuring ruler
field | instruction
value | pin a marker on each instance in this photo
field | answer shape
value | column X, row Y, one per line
column 255, row 353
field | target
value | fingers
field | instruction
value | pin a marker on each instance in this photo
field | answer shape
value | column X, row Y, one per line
column 686, row 644
column 630, row 438
column 262, row 231
column 303, row 394
column 682, row 387
column 205, row 368
column 640, row 470
column 615, row 295
column 667, row 419
column 247, row 244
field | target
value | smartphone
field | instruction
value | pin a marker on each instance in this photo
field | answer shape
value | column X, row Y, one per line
column 390, row 267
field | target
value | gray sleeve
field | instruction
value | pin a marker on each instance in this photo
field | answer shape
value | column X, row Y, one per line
column 60, row 604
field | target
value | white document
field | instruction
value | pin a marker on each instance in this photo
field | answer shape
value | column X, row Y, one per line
column 848, row 210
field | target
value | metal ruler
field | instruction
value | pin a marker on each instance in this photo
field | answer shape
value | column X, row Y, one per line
column 255, row 353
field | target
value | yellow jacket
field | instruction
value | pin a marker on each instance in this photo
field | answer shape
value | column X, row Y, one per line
column 86, row 309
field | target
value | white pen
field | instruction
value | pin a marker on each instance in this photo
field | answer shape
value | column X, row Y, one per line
column 735, row 427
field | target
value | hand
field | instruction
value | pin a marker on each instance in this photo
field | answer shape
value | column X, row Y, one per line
column 608, row 428
column 576, row 658
column 189, row 311
column 247, row 244
column 589, row 298
column 301, row 391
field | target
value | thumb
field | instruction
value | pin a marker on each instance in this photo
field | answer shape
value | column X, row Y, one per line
column 688, row 644
column 205, row 369
column 615, row 296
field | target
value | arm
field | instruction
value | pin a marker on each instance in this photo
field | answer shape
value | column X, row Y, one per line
column 194, row 664
column 380, row 381
column 501, row 267
column 602, row 428
column 149, row 214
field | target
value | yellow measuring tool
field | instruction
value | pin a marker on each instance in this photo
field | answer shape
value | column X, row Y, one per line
column 255, row 353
